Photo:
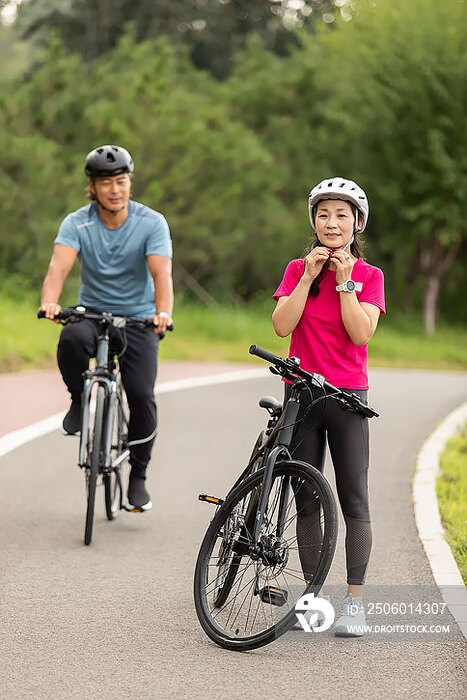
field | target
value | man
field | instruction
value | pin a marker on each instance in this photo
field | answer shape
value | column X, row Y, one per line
column 125, row 253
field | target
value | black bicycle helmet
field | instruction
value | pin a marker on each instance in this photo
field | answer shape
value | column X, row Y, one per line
column 108, row 160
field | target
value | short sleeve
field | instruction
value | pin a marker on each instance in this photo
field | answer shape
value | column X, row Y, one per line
column 68, row 233
column 291, row 278
column 158, row 241
column 373, row 290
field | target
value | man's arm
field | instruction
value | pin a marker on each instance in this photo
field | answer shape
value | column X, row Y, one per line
column 160, row 268
column 63, row 258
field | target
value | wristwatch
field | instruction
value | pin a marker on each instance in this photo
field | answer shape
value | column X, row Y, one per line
column 349, row 286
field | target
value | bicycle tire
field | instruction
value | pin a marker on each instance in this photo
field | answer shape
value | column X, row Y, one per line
column 94, row 466
column 226, row 632
column 113, row 489
column 230, row 563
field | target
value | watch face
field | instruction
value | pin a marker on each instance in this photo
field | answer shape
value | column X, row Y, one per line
column 350, row 284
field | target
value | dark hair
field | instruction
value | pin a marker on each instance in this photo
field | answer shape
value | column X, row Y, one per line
column 356, row 248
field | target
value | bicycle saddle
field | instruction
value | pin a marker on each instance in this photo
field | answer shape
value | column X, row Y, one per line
column 270, row 403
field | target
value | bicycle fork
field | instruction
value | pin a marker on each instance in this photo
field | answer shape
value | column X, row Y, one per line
column 110, row 390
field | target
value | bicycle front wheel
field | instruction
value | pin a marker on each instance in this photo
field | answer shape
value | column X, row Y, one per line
column 112, row 479
column 265, row 579
column 93, row 468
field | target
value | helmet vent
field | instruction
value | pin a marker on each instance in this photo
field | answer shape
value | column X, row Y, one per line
column 110, row 158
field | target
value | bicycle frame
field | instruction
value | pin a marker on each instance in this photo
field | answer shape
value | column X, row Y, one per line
column 281, row 437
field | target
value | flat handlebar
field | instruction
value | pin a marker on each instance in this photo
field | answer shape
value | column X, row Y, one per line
column 290, row 369
column 72, row 313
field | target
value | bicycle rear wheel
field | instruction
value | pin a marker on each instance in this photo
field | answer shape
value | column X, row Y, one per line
column 93, row 466
column 297, row 542
column 229, row 561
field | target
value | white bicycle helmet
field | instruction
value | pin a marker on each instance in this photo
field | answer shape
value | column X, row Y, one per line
column 339, row 188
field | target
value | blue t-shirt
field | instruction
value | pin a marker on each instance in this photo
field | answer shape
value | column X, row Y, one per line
column 114, row 272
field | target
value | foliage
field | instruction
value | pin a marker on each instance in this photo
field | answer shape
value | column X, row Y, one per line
column 223, row 333
column 379, row 99
column 397, row 113
column 213, row 30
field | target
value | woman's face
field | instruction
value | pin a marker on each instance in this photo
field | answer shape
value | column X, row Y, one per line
column 334, row 222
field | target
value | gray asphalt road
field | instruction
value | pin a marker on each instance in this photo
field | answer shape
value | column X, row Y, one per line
column 117, row 618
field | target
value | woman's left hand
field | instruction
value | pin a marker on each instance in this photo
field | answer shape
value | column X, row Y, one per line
column 344, row 265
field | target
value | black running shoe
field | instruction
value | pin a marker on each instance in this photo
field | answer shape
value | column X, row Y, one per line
column 72, row 421
column 138, row 497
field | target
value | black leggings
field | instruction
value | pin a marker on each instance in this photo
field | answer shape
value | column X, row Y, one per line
column 348, row 439
column 138, row 366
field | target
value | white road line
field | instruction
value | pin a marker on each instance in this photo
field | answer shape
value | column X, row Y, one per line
column 427, row 517
column 19, row 437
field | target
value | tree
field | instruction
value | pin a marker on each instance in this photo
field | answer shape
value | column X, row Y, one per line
column 212, row 30
column 396, row 80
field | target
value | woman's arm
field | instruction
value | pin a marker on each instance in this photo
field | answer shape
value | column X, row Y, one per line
column 360, row 320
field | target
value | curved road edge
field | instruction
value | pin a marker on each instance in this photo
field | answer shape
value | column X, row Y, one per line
column 428, row 520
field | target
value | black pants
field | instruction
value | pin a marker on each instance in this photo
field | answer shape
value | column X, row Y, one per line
column 347, row 435
column 138, row 366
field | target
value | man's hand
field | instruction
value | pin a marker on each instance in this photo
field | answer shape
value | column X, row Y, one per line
column 51, row 309
column 161, row 321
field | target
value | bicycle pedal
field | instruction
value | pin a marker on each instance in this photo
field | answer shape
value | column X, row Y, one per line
column 273, row 595
column 210, row 499
column 135, row 509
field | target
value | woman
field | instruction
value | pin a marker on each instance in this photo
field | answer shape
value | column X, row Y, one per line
column 330, row 302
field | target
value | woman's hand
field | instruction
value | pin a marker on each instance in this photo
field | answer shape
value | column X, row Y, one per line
column 314, row 262
column 344, row 265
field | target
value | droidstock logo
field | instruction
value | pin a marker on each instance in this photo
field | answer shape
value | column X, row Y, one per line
column 314, row 614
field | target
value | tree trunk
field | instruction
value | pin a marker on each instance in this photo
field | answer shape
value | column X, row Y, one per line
column 436, row 267
column 431, row 303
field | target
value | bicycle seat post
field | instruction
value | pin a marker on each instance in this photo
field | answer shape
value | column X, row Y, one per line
column 292, row 407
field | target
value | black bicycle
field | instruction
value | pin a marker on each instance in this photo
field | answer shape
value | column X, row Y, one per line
column 104, row 447
column 272, row 539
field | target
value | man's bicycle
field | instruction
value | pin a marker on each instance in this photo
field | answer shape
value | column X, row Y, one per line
column 104, row 447
column 272, row 539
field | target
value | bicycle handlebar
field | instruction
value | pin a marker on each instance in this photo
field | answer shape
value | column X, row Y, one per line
column 290, row 369
column 112, row 319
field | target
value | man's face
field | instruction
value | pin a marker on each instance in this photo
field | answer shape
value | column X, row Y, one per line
column 113, row 192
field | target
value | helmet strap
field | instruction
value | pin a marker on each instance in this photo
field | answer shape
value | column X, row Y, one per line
column 347, row 245
column 112, row 211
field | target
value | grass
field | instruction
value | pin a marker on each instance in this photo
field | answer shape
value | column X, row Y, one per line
column 451, row 488
column 225, row 333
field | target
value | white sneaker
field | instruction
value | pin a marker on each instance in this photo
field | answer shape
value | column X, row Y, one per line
column 352, row 620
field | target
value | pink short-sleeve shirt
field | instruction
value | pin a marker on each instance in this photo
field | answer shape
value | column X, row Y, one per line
column 320, row 339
